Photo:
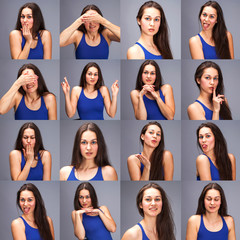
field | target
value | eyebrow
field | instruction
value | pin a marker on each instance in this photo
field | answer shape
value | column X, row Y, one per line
column 210, row 13
column 158, row 16
column 154, row 130
column 152, row 196
column 90, row 140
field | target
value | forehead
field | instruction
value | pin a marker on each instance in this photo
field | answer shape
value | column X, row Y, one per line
column 89, row 135
column 91, row 11
column 153, row 12
column 149, row 67
column 92, row 69
column 29, row 131
column 210, row 71
column 154, row 127
column 205, row 130
column 153, row 192
column 213, row 193
column 27, row 11
column 26, row 194
column 84, row 192
column 209, row 10
column 30, row 71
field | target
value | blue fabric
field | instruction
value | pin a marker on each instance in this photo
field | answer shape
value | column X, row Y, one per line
column 37, row 52
column 90, row 109
column 208, row 112
column 35, row 173
column 214, row 171
column 84, row 51
column 24, row 113
column 141, row 168
column 209, row 51
column 204, row 234
column 153, row 111
column 95, row 228
column 147, row 54
column 97, row 177
column 30, row 232
column 144, row 236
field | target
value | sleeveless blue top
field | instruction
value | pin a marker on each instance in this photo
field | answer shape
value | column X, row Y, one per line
column 35, row 173
column 144, row 236
column 90, row 109
column 147, row 54
column 209, row 51
column 37, row 52
column 95, row 228
column 84, row 51
column 153, row 111
column 204, row 234
column 30, row 232
column 24, row 113
column 208, row 112
column 97, row 177
column 214, row 171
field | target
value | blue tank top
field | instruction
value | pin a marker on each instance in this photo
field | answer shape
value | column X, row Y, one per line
column 24, row 113
column 97, row 177
column 30, row 232
column 35, row 173
column 208, row 112
column 153, row 111
column 214, row 171
column 90, row 109
column 204, row 234
column 95, row 228
column 144, row 236
column 147, row 54
column 209, row 51
column 84, row 51
column 37, row 52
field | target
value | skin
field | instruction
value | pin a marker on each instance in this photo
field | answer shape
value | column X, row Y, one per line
column 149, row 78
column 151, row 139
column 15, row 38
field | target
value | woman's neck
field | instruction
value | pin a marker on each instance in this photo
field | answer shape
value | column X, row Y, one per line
column 147, row 41
column 207, row 34
column 150, row 224
column 212, row 217
column 211, row 155
column 205, row 98
column 89, row 88
column 92, row 36
column 29, row 217
column 87, row 164
column 147, row 151
column 31, row 97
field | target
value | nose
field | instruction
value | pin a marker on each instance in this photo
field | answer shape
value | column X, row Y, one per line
column 28, row 140
column 148, row 75
column 212, row 201
column 211, row 81
column 153, row 202
column 88, row 145
column 152, row 22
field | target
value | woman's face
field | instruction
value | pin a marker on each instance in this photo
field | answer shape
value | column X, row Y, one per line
column 150, row 21
column 206, row 140
column 152, row 136
column 151, row 202
column 89, row 145
column 85, row 199
column 92, row 76
column 33, row 86
column 28, row 138
column 149, row 75
column 26, row 18
column 27, row 202
column 212, row 201
column 91, row 27
column 208, row 18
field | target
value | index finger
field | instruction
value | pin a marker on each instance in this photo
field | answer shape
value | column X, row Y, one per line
column 214, row 92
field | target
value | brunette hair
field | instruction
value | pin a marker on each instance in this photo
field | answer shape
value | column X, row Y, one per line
column 161, row 38
column 88, row 186
column 38, row 21
column 220, row 150
column 219, row 33
column 102, row 157
column 201, row 206
column 38, row 144
column 83, row 82
column 40, row 215
column 156, row 158
column 164, row 224
column 87, row 8
column 225, row 112
column 158, row 81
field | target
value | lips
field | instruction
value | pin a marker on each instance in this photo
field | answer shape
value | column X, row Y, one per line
column 204, row 146
column 26, row 210
column 151, row 29
column 30, row 86
column 154, row 141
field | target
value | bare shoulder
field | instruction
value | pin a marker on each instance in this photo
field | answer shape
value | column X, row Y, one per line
column 77, row 89
column 64, row 172
column 17, row 224
column 194, row 220
column 45, row 35
column 167, row 154
column 194, row 40
column 229, row 35
column 104, row 90
column 166, row 88
column 231, row 156
column 195, row 111
column 135, row 52
column 133, row 233
column 49, row 97
column 194, row 106
column 202, row 159
column 134, row 93
column 15, row 34
column 104, row 208
column 49, row 220
column 132, row 159
column 77, row 37
column 109, row 173
column 229, row 221
column 15, row 154
column 46, row 155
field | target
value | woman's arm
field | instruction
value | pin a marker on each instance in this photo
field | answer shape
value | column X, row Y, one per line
column 133, row 233
column 109, row 173
column 51, row 227
column 64, row 172
column 135, row 52
column 47, row 44
column 79, row 230
column 231, row 227
column 168, row 165
column 106, row 218
column 47, row 165
column 230, row 43
column 203, row 168
column 233, row 162
column 192, row 227
column 195, row 47
column 138, row 104
column 51, row 104
column 196, row 112
column 18, row 230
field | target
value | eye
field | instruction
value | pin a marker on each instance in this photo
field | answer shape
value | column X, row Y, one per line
column 216, row 79
column 94, row 142
column 30, row 200
column 204, row 14
column 158, row 134
column 87, row 197
column 81, row 197
column 32, row 137
column 22, row 200
column 29, row 17
column 157, row 199
column 147, row 199
column 157, row 20
column 22, row 17
column 200, row 137
column 145, row 72
column 152, row 73
column 83, row 142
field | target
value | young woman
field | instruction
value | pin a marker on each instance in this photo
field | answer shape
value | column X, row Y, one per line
column 153, row 163
column 29, row 96
column 214, row 41
column 211, row 220
column 91, row 96
column 154, row 41
column 34, row 223
column 91, row 34
column 151, row 99
column 154, row 207
column 89, row 220
column 29, row 160
column 30, row 39
column 89, row 157
column 215, row 163
column 211, row 103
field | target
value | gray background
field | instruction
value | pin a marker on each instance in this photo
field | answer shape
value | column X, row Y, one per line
column 111, row 132
column 190, row 91
column 8, row 136
column 50, row 192
column 190, row 21
column 190, row 151
column 171, row 74
column 70, row 10
column 191, row 191
column 50, row 72
column 108, row 194
column 129, row 213
column 72, row 69
column 8, row 18
column 131, row 32
column 130, row 143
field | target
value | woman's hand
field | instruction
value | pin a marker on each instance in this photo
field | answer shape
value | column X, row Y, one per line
column 143, row 160
column 115, row 88
column 27, row 78
column 27, row 33
column 217, row 101
column 28, row 153
column 92, row 17
column 92, row 212
column 65, row 86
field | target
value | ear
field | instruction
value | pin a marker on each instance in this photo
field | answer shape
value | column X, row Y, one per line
column 138, row 21
column 142, row 137
column 198, row 81
column 140, row 205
